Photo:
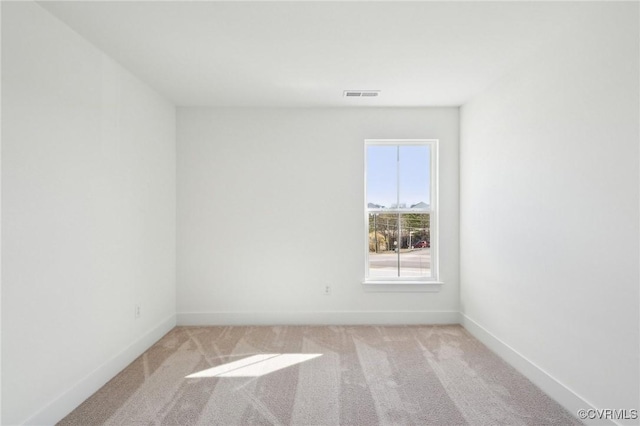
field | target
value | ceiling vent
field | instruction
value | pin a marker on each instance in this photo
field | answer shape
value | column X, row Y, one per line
column 361, row 93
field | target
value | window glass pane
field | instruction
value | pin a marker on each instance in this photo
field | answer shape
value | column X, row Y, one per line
column 383, row 239
column 382, row 177
column 415, row 173
column 415, row 236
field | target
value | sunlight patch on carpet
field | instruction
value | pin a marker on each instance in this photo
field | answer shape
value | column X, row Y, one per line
column 254, row 366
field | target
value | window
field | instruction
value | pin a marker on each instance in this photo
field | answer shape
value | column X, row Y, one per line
column 401, row 211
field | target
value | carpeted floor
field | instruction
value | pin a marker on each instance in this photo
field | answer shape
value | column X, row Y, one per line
column 312, row 375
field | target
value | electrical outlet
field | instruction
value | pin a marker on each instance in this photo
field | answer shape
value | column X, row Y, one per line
column 137, row 311
column 327, row 290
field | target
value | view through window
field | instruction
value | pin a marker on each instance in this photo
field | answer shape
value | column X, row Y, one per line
column 400, row 209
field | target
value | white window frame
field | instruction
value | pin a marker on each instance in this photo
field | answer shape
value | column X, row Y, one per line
column 406, row 284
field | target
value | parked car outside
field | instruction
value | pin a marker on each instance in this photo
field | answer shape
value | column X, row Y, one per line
column 421, row 244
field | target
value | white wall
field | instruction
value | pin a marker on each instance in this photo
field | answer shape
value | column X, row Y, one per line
column 88, row 195
column 549, row 210
column 270, row 210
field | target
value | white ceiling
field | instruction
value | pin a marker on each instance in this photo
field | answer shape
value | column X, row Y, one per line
column 304, row 54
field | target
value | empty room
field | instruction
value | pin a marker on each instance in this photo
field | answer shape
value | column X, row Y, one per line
column 316, row 213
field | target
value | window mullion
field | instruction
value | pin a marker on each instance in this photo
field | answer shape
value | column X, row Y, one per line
column 399, row 238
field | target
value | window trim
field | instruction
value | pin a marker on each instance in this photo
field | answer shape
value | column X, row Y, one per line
column 407, row 284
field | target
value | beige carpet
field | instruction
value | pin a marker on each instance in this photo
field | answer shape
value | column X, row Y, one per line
column 306, row 375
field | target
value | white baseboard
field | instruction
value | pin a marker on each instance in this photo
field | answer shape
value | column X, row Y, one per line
column 564, row 396
column 319, row 318
column 57, row 409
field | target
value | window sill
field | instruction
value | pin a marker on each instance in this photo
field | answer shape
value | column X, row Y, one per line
column 402, row 286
